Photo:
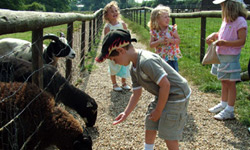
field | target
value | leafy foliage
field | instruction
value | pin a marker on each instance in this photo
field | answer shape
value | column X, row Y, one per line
column 41, row 5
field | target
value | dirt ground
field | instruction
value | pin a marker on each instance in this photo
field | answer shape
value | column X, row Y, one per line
column 201, row 132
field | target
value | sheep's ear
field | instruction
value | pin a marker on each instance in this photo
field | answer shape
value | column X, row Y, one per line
column 51, row 36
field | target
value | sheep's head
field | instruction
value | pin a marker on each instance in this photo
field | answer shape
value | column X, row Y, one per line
column 90, row 114
column 59, row 47
column 83, row 142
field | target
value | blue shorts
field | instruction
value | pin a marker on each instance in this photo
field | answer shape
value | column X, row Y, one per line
column 228, row 69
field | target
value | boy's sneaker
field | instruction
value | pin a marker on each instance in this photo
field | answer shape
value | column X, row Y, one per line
column 217, row 108
column 224, row 115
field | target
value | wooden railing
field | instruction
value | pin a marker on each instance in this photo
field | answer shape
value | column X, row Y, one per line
column 21, row 21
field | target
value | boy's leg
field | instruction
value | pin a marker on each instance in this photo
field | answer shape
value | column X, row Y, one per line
column 172, row 144
column 150, row 136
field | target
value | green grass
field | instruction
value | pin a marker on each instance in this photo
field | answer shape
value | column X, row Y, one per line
column 54, row 30
column 189, row 64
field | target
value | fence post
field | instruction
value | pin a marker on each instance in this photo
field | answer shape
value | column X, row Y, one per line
column 173, row 20
column 136, row 16
column 90, row 34
column 145, row 17
column 203, row 37
column 140, row 16
column 94, row 28
column 37, row 57
column 83, row 44
column 70, row 42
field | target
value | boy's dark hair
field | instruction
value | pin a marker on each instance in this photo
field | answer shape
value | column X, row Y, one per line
column 114, row 39
column 115, row 53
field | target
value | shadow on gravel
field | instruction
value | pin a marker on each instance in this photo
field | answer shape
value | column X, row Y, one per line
column 240, row 132
column 93, row 132
column 190, row 129
column 119, row 102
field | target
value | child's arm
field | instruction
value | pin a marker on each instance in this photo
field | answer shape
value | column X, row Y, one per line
column 175, row 40
column 239, row 42
column 130, row 107
column 212, row 37
column 124, row 26
column 154, row 43
column 162, row 99
column 106, row 30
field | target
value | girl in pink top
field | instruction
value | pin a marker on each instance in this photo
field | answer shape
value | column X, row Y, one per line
column 230, row 39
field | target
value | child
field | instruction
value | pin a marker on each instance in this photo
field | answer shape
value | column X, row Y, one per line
column 112, row 17
column 164, row 37
column 168, row 112
column 231, row 38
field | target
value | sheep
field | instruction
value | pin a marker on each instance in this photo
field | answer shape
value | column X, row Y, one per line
column 30, row 120
column 19, row 70
column 58, row 47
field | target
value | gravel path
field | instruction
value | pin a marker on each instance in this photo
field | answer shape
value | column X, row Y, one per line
column 201, row 131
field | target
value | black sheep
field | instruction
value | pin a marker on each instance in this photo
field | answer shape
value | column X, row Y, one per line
column 13, row 69
column 30, row 120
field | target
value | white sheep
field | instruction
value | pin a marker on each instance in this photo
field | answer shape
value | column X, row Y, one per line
column 58, row 47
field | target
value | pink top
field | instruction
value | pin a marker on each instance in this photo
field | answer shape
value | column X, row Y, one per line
column 228, row 31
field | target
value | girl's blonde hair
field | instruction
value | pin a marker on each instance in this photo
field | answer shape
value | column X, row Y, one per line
column 231, row 10
column 155, row 14
column 107, row 7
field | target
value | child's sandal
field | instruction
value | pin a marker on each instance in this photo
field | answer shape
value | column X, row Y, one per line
column 125, row 86
column 116, row 87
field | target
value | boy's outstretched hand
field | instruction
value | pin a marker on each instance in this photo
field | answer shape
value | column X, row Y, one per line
column 121, row 117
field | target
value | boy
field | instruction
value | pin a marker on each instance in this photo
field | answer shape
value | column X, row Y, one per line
column 168, row 112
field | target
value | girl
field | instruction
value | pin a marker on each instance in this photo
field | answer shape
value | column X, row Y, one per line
column 231, row 38
column 164, row 37
column 112, row 17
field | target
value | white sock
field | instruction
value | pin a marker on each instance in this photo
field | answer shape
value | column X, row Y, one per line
column 224, row 104
column 148, row 146
column 230, row 108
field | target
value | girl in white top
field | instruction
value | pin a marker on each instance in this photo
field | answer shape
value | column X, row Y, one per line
column 111, row 15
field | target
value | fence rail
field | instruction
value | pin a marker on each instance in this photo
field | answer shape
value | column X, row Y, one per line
column 21, row 21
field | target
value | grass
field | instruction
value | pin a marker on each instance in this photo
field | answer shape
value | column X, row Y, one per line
column 193, row 70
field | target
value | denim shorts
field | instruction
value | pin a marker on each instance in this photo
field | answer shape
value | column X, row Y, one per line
column 171, row 123
column 228, row 69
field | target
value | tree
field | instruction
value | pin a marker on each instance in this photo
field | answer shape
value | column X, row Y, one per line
column 12, row 4
column 35, row 7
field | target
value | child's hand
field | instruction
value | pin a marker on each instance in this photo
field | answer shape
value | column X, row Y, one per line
column 121, row 117
column 155, row 115
column 211, row 38
column 161, row 40
column 220, row 43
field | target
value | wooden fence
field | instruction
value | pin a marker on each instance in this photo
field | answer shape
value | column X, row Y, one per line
column 21, row 21
column 135, row 14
